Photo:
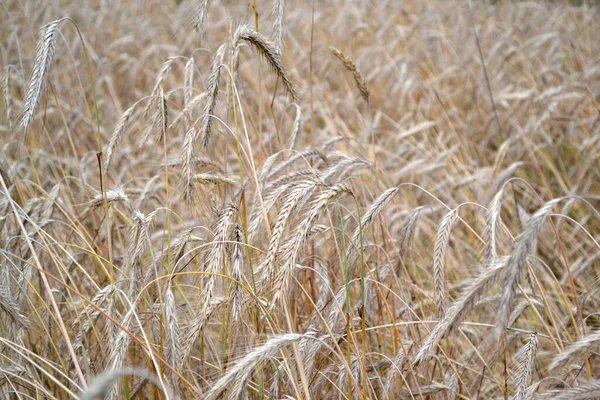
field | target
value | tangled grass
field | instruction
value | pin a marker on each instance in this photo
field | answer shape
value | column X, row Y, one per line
column 350, row 200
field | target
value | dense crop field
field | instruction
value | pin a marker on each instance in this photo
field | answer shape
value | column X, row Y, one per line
column 360, row 199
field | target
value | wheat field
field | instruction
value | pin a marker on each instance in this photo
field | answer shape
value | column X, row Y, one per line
column 260, row 199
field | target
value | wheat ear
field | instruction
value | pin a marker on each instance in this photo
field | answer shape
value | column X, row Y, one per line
column 188, row 81
column 300, row 235
column 459, row 310
column 575, row 351
column 356, row 74
column 526, row 365
column 524, row 245
column 200, row 15
column 269, row 51
column 173, row 353
column 439, row 254
column 587, row 391
column 237, row 259
column 240, row 372
column 189, row 143
column 278, row 9
column 8, row 100
column 117, row 134
column 216, row 257
column 490, row 232
column 41, row 68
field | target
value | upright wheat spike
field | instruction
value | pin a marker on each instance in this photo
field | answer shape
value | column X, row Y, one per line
column 526, row 365
column 490, row 232
column 115, row 138
column 188, row 81
column 439, row 254
column 41, row 68
column 189, row 143
column 300, row 235
column 173, row 353
column 237, row 260
column 8, row 100
column 278, row 8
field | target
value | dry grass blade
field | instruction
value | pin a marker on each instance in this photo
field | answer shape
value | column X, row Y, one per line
column 102, row 386
column 269, row 51
column 439, row 254
column 41, row 68
column 239, row 373
column 347, row 62
column 297, row 127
